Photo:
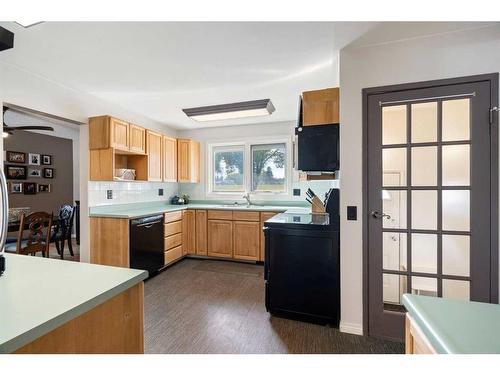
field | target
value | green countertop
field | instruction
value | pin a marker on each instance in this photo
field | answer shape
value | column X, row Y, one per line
column 456, row 327
column 134, row 210
column 38, row 294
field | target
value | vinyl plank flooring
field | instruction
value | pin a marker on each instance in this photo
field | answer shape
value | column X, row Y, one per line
column 206, row 306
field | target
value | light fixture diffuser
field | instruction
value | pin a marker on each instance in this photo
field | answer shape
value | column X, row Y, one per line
column 263, row 107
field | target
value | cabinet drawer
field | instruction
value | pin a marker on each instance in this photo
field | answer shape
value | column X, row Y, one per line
column 173, row 254
column 173, row 216
column 220, row 215
column 173, row 228
column 173, row 241
column 246, row 215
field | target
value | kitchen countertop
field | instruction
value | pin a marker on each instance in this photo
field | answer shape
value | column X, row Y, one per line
column 38, row 294
column 134, row 210
column 456, row 327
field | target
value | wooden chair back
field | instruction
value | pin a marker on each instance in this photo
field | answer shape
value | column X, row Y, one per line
column 39, row 226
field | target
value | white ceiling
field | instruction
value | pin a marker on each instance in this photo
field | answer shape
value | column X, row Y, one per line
column 158, row 68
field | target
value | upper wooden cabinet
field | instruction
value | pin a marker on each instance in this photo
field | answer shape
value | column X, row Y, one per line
column 110, row 132
column 321, row 107
column 169, row 159
column 137, row 139
column 188, row 160
column 154, row 150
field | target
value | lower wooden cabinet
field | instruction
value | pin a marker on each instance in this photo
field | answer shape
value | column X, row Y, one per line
column 220, row 238
column 201, row 232
column 189, row 232
column 246, row 240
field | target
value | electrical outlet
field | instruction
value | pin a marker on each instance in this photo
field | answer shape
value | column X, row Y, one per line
column 109, row 194
column 296, row 192
column 160, row 192
column 352, row 213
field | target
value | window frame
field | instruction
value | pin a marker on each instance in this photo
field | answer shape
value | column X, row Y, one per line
column 247, row 167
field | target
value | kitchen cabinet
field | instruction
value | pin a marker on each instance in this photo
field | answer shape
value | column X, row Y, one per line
column 109, row 241
column 137, row 139
column 189, row 232
column 201, row 232
column 119, row 134
column 188, row 161
column 173, row 233
column 169, row 159
column 246, row 240
column 154, row 150
column 321, row 107
column 263, row 217
column 220, row 238
column 109, row 132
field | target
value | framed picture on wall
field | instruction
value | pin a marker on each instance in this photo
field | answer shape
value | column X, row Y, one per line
column 44, row 188
column 46, row 159
column 15, row 187
column 29, row 188
column 15, row 172
column 48, row 172
column 34, row 159
column 16, row 157
column 34, row 172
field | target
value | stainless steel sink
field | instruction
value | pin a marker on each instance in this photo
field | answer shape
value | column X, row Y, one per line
column 238, row 205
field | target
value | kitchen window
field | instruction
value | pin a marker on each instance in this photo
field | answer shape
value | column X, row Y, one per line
column 259, row 167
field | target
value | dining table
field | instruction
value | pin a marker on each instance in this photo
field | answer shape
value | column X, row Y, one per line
column 14, row 225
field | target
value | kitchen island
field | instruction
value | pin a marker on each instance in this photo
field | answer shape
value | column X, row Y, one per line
column 55, row 306
column 446, row 326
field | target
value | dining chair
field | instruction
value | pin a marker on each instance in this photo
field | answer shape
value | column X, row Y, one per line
column 38, row 227
column 63, row 229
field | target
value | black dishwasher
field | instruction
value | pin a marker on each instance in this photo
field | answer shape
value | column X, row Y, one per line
column 146, row 244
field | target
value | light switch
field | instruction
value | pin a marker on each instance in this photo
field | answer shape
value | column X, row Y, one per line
column 352, row 213
column 109, row 194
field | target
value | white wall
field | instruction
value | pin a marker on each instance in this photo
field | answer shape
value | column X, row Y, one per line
column 441, row 56
column 243, row 133
column 29, row 90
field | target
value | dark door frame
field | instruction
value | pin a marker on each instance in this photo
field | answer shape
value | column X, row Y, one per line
column 492, row 79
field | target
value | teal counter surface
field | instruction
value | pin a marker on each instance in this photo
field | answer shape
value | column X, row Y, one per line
column 37, row 294
column 456, row 327
column 134, row 210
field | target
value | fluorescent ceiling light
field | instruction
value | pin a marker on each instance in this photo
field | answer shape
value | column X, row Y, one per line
column 252, row 108
column 29, row 23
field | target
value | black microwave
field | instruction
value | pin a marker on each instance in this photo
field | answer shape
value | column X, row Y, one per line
column 318, row 148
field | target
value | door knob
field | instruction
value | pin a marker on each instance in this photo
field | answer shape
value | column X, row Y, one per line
column 379, row 215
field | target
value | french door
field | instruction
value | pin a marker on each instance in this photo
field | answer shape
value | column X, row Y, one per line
column 431, row 196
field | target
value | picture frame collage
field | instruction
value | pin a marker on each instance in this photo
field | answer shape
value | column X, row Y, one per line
column 21, row 166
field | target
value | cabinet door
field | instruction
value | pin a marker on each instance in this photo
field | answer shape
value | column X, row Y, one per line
column 189, row 232
column 183, row 160
column 120, row 134
column 169, row 159
column 246, row 243
column 154, row 141
column 201, row 232
column 263, row 217
column 137, row 139
column 321, row 107
column 220, row 238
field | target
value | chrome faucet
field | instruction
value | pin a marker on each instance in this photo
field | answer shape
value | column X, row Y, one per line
column 247, row 197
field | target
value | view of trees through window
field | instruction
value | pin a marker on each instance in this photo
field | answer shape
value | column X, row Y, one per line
column 268, row 167
column 228, row 169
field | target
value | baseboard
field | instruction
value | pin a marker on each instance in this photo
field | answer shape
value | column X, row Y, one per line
column 355, row 329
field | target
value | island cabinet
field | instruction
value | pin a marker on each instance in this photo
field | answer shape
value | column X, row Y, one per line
column 188, row 161
column 169, row 159
column 201, row 232
column 154, row 150
column 415, row 341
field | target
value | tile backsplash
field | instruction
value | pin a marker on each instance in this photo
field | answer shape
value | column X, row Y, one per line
column 130, row 192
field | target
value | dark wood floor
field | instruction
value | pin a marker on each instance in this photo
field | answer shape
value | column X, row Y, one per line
column 205, row 306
